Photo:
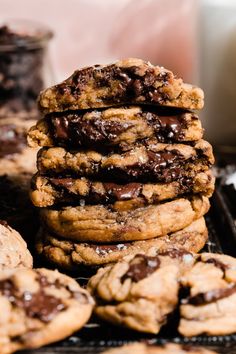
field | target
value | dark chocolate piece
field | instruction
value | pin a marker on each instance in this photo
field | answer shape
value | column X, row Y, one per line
column 131, row 84
column 36, row 305
column 62, row 182
column 212, row 295
column 164, row 166
column 123, row 192
column 140, row 267
column 72, row 129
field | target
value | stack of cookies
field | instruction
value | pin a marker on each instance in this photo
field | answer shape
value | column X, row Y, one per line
column 123, row 167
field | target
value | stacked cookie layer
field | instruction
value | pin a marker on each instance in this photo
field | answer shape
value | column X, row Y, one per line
column 123, row 166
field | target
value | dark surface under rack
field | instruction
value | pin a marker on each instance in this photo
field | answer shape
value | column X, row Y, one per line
column 96, row 337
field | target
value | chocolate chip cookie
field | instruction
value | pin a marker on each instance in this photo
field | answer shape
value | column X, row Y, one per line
column 40, row 306
column 13, row 250
column 15, row 156
column 210, row 307
column 104, row 224
column 123, row 82
column 70, row 255
column 46, row 191
column 169, row 348
column 139, row 292
column 120, row 127
column 151, row 162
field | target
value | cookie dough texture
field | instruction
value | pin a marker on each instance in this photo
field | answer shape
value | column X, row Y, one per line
column 126, row 81
column 169, row 348
column 138, row 292
column 158, row 162
column 40, row 306
column 46, row 191
column 70, row 254
column 103, row 224
column 120, row 127
column 211, row 305
column 13, row 250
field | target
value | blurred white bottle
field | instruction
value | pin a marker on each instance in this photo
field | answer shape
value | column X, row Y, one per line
column 218, row 70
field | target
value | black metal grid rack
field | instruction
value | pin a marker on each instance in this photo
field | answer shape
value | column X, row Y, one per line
column 96, row 336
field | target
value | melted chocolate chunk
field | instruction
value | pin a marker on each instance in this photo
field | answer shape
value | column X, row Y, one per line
column 123, row 192
column 36, row 305
column 62, row 182
column 140, row 267
column 73, row 129
column 211, row 296
column 165, row 166
column 11, row 140
column 167, row 128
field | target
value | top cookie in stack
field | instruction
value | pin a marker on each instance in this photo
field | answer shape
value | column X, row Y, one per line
column 123, row 166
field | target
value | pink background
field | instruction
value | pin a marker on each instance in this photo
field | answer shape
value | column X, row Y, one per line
column 100, row 31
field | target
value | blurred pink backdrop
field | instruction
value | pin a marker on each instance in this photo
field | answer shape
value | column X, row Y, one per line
column 100, row 31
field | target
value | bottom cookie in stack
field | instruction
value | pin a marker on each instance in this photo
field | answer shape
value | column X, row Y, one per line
column 71, row 255
column 96, row 235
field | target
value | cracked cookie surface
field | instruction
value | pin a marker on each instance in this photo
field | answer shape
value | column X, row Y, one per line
column 104, row 224
column 139, row 291
column 210, row 307
column 126, row 81
column 13, row 250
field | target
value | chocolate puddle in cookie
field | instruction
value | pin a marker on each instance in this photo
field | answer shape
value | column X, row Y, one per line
column 131, row 84
column 11, row 141
column 73, row 129
column 211, row 296
column 140, row 267
column 123, row 192
column 165, row 166
column 74, row 190
column 36, row 305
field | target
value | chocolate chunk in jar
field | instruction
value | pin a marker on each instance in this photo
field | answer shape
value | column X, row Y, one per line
column 22, row 53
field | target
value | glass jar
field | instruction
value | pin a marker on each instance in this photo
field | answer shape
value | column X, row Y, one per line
column 24, row 67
